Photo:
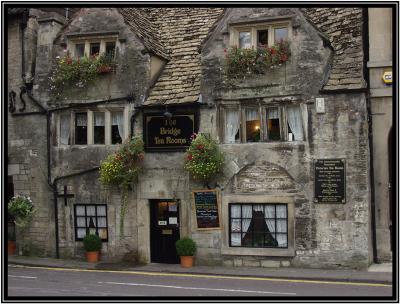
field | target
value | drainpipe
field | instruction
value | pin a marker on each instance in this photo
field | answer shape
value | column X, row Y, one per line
column 370, row 136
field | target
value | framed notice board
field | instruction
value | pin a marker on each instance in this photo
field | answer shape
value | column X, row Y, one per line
column 206, row 209
column 330, row 181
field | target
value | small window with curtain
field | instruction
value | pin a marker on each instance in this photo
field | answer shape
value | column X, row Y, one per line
column 81, row 128
column 252, row 125
column 91, row 219
column 65, row 123
column 273, row 124
column 117, row 127
column 258, row 225
column 232, row 126
column 98, row 128
column 244, row 40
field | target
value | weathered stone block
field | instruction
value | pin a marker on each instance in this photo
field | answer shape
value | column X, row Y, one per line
column 270, row 264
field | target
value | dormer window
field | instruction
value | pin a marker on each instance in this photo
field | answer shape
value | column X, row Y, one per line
column 253, row 36
column 86, row 47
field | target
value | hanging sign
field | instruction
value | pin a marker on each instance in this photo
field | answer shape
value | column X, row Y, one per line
column 330, row 181
column 206, row 207
column 161, row 133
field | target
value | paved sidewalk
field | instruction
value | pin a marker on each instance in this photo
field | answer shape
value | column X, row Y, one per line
column 379, row 273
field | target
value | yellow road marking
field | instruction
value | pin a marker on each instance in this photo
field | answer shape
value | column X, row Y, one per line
column 209, row 276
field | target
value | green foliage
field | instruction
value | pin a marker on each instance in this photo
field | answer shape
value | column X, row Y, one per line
column 123, row 167
column 92, row 242
column 241, row 62
column 185, row 247
column 203, row 158
column 79, row 72
column 21, row 209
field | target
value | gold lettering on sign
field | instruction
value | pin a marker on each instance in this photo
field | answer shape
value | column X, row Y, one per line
column 171, row 131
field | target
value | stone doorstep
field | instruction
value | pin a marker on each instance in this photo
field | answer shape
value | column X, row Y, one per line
column 383, row 267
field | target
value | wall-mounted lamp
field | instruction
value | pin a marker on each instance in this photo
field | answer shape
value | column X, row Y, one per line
column 167, row 114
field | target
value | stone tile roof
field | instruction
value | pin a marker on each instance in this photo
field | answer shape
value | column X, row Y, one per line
column 15, row 11
column 181, row 31
column 343, row 27
column 146, row 30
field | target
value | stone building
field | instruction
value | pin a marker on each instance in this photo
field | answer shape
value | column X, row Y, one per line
column 283, row 132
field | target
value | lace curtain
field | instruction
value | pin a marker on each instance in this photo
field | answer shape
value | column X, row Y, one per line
column 295, row 123
column 118, row 120
column 64, row 128
column 232, row 125
column 99, row 119
column 81, row 120
column 236, row 238
column 252, row 114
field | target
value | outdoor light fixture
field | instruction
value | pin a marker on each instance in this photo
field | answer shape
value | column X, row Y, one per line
column 167, row 114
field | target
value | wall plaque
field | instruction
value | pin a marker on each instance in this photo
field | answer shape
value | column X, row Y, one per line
column 206, row 206
column 330, row 181
column 161, row 133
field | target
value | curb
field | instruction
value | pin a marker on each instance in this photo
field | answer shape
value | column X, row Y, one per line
column 283, row 277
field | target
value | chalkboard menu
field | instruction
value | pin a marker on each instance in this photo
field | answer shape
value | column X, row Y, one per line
column 330, row 181
column 206, row 209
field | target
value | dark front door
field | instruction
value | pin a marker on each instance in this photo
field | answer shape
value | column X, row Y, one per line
column 164, row 225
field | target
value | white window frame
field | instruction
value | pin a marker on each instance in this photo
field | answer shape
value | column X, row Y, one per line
column 90, row 125
column 270, row 26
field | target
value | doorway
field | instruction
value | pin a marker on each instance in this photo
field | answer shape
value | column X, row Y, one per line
column 390, row 185
column 164, row 231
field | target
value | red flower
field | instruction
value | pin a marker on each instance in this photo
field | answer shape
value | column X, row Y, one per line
column 69, row 60
column 189, row 157
column 200, row 147
column 141, row 156
column 225, row 50
column 273, row 51
column 284, row 58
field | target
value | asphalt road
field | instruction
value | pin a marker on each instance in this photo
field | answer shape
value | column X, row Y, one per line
column 34, row 281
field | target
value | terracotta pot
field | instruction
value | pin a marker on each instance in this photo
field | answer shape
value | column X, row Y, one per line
column 12, row 246
column 187, row 261
column 92, row 256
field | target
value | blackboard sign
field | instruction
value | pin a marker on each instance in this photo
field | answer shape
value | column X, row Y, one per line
column 161, row 133
column 330, row 181
column 206, row 209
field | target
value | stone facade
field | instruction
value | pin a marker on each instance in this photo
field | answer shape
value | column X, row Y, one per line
column 319, row 235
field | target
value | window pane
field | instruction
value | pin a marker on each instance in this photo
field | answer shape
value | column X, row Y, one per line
column 80, row 210
column 295, row 124
column 247, row 211
column 269, row 211
column 252, row 125
column 273, row 124
column 91, row 222
column 244, row 40
column 81, row 128
column 80, row 50
column 90, row 210
column 117, row 127
column 236, row 239
column 258, row 240
column 101, row 210
column 81, row 232
column 110, row 49
column 101, row 222
column 281, row 226
column 281, row 211
column 235, row 211
column 98, row 128
column 80, row 222
column 65, row 128
column 94, row 49
column 281, row 34
column 282, row 240
column 262, row 37
column 235, row 225
column 103, row 233
column 232, row 124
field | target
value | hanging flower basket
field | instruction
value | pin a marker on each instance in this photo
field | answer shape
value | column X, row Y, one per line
column 203, row 158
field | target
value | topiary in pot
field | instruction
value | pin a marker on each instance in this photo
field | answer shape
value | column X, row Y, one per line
column 186, row 248
column 92, row 244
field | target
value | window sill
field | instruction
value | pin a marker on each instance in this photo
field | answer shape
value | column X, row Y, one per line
column 284, row 252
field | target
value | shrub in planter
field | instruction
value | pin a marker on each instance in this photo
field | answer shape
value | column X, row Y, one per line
column 21, row 209
column 92, row 245
column 203, row 158
column 186, row 248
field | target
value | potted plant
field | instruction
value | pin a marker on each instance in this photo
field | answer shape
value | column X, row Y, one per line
column 186, row 249
column 92, row 244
